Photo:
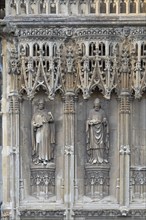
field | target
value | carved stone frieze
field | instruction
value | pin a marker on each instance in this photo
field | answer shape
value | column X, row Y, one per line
column 85, row 71
column 42, row 213
column 82, row 33
column 110, row 212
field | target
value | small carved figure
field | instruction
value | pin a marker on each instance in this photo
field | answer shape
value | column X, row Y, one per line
column 123, row 7
column 97, row 135
column 52, row 7
column 132, row 6
column 113, row 7
column 142, row 6
column 33, row 7
column 92, row 7
column 42, row 135
column 43, row 7
column 82, row 6
column 102, row 6
column 23, row 7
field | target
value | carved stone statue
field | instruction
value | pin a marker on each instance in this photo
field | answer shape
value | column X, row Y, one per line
column 97, row 135
column 43, row 135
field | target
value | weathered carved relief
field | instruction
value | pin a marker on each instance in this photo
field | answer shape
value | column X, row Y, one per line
column 14, row 63
column 43, row 182
column 138, row 184
column 43, row 135
column 96, row 182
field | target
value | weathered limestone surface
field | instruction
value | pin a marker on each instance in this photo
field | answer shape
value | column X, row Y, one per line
column 73, row 110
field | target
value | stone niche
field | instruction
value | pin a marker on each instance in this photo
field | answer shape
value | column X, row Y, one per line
column 39, row 175
column 99, row 180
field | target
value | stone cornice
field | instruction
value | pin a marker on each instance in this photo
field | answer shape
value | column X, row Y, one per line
column 77, row 20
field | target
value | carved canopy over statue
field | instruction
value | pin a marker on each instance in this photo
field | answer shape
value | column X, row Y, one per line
column 97, row 135
column 43, row 135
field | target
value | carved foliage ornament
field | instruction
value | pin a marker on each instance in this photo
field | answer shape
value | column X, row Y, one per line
column 38, row 73
column 72, row 68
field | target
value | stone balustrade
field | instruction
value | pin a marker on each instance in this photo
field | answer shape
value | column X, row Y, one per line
column 76, row 7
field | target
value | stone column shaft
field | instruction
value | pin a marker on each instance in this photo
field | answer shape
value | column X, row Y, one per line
column 124, row 150
column 69, row 154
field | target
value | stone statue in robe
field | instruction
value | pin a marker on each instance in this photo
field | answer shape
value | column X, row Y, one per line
column 97, row 135
column 43, row 135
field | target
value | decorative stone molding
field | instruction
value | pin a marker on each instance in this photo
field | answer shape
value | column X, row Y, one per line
column 97, row 181
column 71, row 68
column 68, row 150
column 110, row 212
column 41, row 213
column 43, row 182
column 124, row 150
column 138, row 183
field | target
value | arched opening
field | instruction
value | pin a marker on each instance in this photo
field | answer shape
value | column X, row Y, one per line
column 2, row 9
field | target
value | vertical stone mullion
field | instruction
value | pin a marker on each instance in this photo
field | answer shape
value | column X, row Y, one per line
column 69, row 108
column 124, row 149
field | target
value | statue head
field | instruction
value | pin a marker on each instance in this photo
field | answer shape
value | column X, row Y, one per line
column 41, row 104
column 97, row 104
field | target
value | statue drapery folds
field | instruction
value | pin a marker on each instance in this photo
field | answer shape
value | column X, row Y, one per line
column 97, row 135
column 43, row 135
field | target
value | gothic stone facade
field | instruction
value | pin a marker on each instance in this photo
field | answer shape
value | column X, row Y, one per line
column 74, row 110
